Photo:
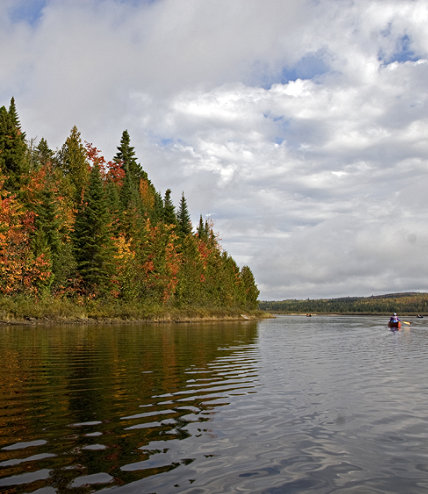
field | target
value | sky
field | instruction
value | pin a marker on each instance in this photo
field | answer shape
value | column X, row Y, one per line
column 299, row 127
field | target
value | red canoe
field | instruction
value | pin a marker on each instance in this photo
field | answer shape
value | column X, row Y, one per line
column 394, row 324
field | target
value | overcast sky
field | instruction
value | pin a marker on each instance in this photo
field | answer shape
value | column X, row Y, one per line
column 299, row 126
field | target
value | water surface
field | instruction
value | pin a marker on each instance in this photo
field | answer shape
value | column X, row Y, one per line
column 294, row 404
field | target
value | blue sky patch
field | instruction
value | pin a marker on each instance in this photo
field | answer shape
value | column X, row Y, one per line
column 403, row 52
column 310, row 66
column 27, row 11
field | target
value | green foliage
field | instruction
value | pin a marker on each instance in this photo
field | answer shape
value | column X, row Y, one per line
column 14, row 159
column 250, row 289
column 126, row 155
column 92, row 244
column 183, row 218
column 72, row 160
column 169, row 216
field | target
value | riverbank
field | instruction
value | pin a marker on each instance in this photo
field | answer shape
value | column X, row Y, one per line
column 49, row 310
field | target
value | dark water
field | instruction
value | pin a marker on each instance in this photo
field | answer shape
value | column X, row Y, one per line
column 290, row 405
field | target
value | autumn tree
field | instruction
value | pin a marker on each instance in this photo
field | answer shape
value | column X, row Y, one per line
column 20, row 270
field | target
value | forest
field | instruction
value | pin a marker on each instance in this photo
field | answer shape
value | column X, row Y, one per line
column 80, row 235
column 402, row 303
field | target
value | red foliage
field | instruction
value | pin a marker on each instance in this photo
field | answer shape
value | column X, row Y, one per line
column 109, row 169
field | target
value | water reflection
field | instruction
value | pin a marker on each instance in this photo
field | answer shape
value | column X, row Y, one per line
column 83, row 408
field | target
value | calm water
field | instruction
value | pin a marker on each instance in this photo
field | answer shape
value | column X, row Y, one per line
column 289, row 405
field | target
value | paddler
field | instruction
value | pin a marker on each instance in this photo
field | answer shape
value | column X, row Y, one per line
column 394, row 318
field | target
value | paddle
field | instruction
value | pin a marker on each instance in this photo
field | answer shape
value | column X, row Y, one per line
column 406, row 322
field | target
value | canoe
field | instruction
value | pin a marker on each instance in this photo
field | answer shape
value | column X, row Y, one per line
column 394, row 324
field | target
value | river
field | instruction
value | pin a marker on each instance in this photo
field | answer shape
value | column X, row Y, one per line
column 286, row 405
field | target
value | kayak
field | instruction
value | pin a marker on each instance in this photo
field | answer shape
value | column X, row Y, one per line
column 394, row 325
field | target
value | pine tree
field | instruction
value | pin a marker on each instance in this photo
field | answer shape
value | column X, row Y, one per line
column 250, row 288
column 14, row 160
column 183, row 217
column 126, row 155
column 169, row 216
column 157, row 213
column 72, row 160
column 203, row 229
column 92, row 243
column 44, row 154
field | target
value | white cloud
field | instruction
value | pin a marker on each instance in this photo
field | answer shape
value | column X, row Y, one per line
column 301, row 126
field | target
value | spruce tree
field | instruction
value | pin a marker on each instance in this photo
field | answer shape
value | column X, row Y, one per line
column 157, row 212
column 201, row 231
column 126, row 155
column 183, row 217
column 14, row 160
column 169, row 216
column 73, row 163
column 92, row 239
column 44, row 154
column 250, row 288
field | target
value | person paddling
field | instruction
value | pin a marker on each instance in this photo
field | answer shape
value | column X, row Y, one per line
column 394, row 318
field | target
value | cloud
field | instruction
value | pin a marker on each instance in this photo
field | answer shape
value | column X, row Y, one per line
column 299, row 126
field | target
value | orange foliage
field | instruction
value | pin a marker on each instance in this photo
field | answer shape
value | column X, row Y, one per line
column 146, row 194
column 19, row 270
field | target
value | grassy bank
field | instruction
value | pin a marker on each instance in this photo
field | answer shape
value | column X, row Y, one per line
column 30, row 310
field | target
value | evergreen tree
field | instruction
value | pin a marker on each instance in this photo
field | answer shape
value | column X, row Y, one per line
column 169, row 216
column 183, row 217
column 44, row 154
column 202, row 229
column 250, row 288
column 126, row 155
column 52, row 223
column 129, row 195
column 14, row 160
column 92, row 243
column 157, row 213
column 72, row 161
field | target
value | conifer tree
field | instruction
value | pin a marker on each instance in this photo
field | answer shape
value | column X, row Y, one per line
column 169, row 216
column 126, row 155
column 183, row 217
column 157, row 213
column 72, row 161
column 44, row 154
column 52, row 223
column 250, row 288
column 129, row 194
column 14, row 160
column 202, row 230
column 92, row 243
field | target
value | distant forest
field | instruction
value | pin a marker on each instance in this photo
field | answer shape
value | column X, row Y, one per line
column 402, row 303
column 76, row 226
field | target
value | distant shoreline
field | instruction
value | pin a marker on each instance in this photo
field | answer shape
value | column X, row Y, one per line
column 336, row 314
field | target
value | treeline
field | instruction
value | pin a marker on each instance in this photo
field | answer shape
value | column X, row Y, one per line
column 76, row 226
column 409, row 303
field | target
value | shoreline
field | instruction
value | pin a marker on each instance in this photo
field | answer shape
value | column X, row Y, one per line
column 167, row 318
